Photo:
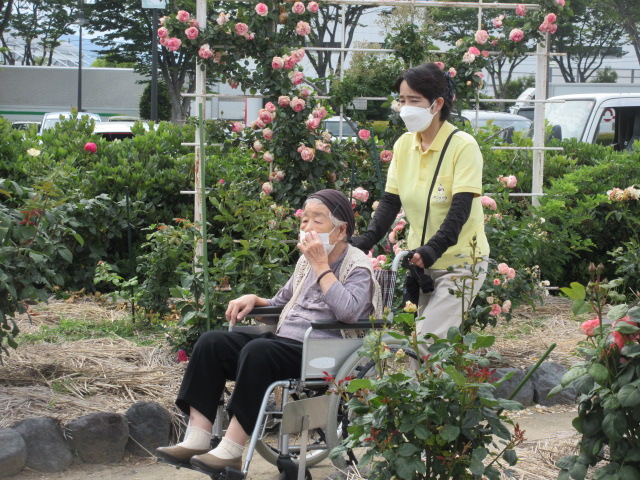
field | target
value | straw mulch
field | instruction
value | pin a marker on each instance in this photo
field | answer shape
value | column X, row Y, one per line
column 75, row 378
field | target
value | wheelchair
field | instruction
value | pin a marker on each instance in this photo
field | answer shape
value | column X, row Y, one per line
column 299, row 423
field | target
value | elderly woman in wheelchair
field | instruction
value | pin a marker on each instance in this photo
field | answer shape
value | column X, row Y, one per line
column 332, row 280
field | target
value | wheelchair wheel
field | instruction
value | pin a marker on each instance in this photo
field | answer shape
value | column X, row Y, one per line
column 355, row 367
column 317, row 449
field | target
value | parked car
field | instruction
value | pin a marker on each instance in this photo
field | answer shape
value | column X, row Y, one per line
column 25, row 125
column 51, row 119
column 117, row 130
column 332, row 124
column 507, row 122
column 605, row 118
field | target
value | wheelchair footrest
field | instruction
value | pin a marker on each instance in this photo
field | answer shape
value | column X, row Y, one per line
column 226, row 474
column 289, row 469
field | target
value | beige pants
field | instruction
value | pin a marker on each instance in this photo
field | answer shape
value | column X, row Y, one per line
column 442, row 310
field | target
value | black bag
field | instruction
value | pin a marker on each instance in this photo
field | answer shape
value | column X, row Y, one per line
column 416, row 278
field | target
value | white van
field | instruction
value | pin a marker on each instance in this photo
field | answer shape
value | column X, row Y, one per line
column 606, row 118
column 51, row 119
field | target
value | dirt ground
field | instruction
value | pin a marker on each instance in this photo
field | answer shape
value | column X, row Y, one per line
column 68, row 380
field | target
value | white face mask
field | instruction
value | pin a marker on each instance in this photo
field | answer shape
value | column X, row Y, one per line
column 324, row 238
column 417, row 119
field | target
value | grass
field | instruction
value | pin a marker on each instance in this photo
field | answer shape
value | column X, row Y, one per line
column 69, row 330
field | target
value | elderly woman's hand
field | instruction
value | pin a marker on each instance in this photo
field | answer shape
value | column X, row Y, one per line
column 240, row 307
column 312, row 248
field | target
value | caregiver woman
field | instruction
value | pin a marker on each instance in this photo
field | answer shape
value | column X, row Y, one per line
column 454, row 213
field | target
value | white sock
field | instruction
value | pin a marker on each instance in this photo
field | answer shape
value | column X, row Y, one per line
column 196, row 439
column 228, row 449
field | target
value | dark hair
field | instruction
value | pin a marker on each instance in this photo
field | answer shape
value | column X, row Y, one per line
column 430, row 82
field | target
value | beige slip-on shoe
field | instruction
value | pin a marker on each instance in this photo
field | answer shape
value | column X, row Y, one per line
column 179, row 454
column 210, row 463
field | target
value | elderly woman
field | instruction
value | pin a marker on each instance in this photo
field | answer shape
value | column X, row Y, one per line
column 332, row 280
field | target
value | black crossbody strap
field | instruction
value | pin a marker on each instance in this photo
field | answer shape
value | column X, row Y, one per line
column 433, row 183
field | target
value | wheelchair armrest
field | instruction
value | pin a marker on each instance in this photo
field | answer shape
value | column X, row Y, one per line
column 265, row 312
column 361, row 324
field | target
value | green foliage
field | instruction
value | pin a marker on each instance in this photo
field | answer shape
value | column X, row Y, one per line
column 627, row 261
column 163, row 105
column 609, row 383
column 519, row 85
column 606, row 75
column 437, row 419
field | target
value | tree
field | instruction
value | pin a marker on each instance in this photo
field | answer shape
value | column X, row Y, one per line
column 606, row 75
column 41, row 22
column 629, row 18
column 127, row 33
column 586, row 37
column 164, row 102
column 6, row 9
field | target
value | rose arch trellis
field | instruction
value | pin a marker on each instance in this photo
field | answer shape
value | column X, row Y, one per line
column 541, row 54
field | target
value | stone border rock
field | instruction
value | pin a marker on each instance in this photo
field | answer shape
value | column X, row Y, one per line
column 43, row 444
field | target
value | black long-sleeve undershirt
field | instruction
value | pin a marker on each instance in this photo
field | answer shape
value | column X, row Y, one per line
column 446, row 236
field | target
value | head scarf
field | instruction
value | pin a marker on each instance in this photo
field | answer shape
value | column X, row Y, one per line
column 339, row 205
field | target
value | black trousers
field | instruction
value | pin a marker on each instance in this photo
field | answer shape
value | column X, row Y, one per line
column 253, row 361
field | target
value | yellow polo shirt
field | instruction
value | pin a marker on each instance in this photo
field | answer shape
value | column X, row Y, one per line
column 410, row 174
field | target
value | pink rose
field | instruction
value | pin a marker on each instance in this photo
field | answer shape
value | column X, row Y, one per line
column 589, row 327
column 270, row 107
column 241, row 28
column 313, row 7
column 516, row 35
column 474, row 51
column 320, row 112
column 364, row 134
column 257, row 145
column 550, row 18
column 553, row 28
column 223, row 18
column 511, row 273
column 495, row 310
column 164, row 41
column 163, row 32
column 289, row 62
column 452, row 72
column 382, row 259
column 497, row 22
column 298, row 54
column 303, row 29
column 297, row 104
column 506, row 306
column 267, row 188
column 305, row 92
column 191, row 33
column 193, row 22
column 488, row 202
column 386, row 156
column 299, row 213
column 250, row 36
column 392, row 237
column 401, row 224
column 496, row 281
column 173, row 44
column 307, row 154
column 521, row 10
column 544, row 27
column 205, row 52
column 183, row 16
column 440, row 65
column 265, row 116
column 262, row 9
column 236, row 127
column 510, row 182
column 360, row 194
column 90, row 147
column 313, row 123
column 622, row 339
column 494, row 42
column 297, row 78
column 277, row 63
column 267, row 134
column 468, row 57
column 298, row 8
column 268, row 157
column 485, row 53
column 503, row 268
column 482, row 37
column 480, row 75
column 221, row 181
column 284, row 101
column 560, row 2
